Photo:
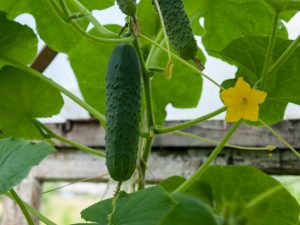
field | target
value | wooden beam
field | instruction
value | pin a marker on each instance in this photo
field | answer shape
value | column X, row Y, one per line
column 91, row 134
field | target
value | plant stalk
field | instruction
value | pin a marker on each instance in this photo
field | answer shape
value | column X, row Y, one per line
column 81, row 147
column 23, row 208
column 183, row 187
column 186, row 124
column 270, row 50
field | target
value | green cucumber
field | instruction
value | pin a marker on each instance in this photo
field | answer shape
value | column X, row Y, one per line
column 178, row 28
column 128, row 7
column 123, row 100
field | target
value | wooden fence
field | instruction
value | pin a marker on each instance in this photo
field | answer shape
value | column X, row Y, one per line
column 172, row 155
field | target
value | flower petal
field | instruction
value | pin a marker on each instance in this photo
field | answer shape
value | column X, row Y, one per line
column 257, row 96
column 233, row 113
column 230, row 97
column 250, row 112
column 242, row 87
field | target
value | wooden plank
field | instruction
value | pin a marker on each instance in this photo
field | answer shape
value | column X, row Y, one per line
column 75, row 165
column 91, row 134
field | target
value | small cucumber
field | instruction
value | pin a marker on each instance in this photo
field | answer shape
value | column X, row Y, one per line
column 123, row 100
column 178, row 28
column 128, row 7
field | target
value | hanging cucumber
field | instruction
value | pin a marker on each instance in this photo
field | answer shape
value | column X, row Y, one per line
column 178, row 28
column 128, row 7
column 123, row 99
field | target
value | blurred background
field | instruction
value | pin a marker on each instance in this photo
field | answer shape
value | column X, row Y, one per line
column 63, row 205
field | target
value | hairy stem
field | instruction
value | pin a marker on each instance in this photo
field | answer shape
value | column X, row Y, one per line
column 149, row 114
column 268, row 193
column 183, row 187
column 280, row 138
column 143, row 162
column 270, row 50
column 56, row 86
column 83, row 10
column 187, row 64
column 215, row 142
column 163, row 28
column 34, row 211
column 284, row 56
column 164, row 130
column 61, row 12
column 84, row 148
column 23, row 208
column 146, row 83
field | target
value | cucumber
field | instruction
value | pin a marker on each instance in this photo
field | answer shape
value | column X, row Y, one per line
column 123, row 100
column 178, row 28
column 128, row 7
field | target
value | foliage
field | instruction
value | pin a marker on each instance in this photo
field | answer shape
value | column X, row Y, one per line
column 249, row 34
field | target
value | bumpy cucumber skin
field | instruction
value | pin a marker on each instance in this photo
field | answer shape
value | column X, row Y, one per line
column 178, row 28
column 123, row 101
column 128, row 7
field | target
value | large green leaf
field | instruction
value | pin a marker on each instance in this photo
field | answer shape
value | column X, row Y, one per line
column 23, row 98
column 17, row 41
column 225, row 20
column 182, row 91
column 17, row 157
column 189, row 211
column 248, row 53
column 145, row 207
column 89, row 62
column 58, row 34
column 234, row 187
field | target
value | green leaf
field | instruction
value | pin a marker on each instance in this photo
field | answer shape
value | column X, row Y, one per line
column 248, row 54
column 233, row 187
column 58, row 34
column 89, row 62
column 148, row 18
column 17, row 41
column 145, row 207
column 198, row 190
column 98, row 212
column 17, row 157
column 171, row 183
column 96, row 4
column 226, row 20
column 189, row 211
column 182, row 91
column 24, row 98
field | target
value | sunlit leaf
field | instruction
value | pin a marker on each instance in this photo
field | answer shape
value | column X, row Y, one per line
column 24, row 98
column 17, row 157
column 17, row 41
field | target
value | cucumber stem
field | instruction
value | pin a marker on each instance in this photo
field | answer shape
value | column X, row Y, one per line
column 183, row 187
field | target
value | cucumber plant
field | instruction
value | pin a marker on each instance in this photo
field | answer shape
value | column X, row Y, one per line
column 120, row 79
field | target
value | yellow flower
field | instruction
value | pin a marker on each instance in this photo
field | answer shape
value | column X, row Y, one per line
column 242, row 101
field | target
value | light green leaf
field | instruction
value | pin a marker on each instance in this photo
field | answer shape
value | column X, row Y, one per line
column 233, row 187
column 171, row 183
column 199, row 190
column 225, row 20
column 182, row 91
column 17, row 157
column 89, row 63
column 23, row 98
column 248, row 53
column 189, row 211
column 17, row 41
column 96, row 4
column 145, row 207
column 98, row 212
column 58, row 34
